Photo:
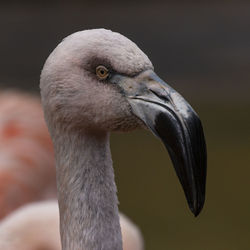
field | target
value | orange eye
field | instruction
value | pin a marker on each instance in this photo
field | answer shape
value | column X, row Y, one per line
column 102, row 72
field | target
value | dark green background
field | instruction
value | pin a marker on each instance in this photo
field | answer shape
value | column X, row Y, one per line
column 200, row 48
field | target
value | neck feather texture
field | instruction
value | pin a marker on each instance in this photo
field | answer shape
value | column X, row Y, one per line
column 89, row 218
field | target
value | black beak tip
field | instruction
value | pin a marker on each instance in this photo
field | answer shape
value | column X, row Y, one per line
column 196, row 211
column 196, row 207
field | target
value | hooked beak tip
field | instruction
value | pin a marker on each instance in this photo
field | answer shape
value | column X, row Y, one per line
column 197, row 205
column 196, row 211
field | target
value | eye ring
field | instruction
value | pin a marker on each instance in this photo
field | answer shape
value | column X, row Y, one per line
column 102, row 72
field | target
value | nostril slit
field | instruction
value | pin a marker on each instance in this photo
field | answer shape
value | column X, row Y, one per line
column 163, row 96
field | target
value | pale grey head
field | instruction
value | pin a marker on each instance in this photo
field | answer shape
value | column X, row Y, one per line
column 74, row 94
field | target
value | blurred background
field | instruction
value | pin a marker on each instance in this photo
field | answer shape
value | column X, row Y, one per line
column 202, row 49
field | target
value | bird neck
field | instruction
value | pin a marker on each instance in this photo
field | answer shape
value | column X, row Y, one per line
column 89, row 218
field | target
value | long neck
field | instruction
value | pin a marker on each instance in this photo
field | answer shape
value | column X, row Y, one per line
column 89, row 218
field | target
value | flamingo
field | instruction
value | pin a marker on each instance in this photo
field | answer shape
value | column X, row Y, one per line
column 26, row 154
column 95, row 82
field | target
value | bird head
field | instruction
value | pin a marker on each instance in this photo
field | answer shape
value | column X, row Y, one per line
column 99, row 80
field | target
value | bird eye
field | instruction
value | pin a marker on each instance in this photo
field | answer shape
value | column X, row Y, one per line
column 102, row 72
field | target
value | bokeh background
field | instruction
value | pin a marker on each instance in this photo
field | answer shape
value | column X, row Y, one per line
column 202, row 49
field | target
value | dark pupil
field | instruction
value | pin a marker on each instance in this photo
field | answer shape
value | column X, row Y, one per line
column 102, row 72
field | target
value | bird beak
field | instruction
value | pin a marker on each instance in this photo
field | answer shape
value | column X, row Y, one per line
column 166, row 113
